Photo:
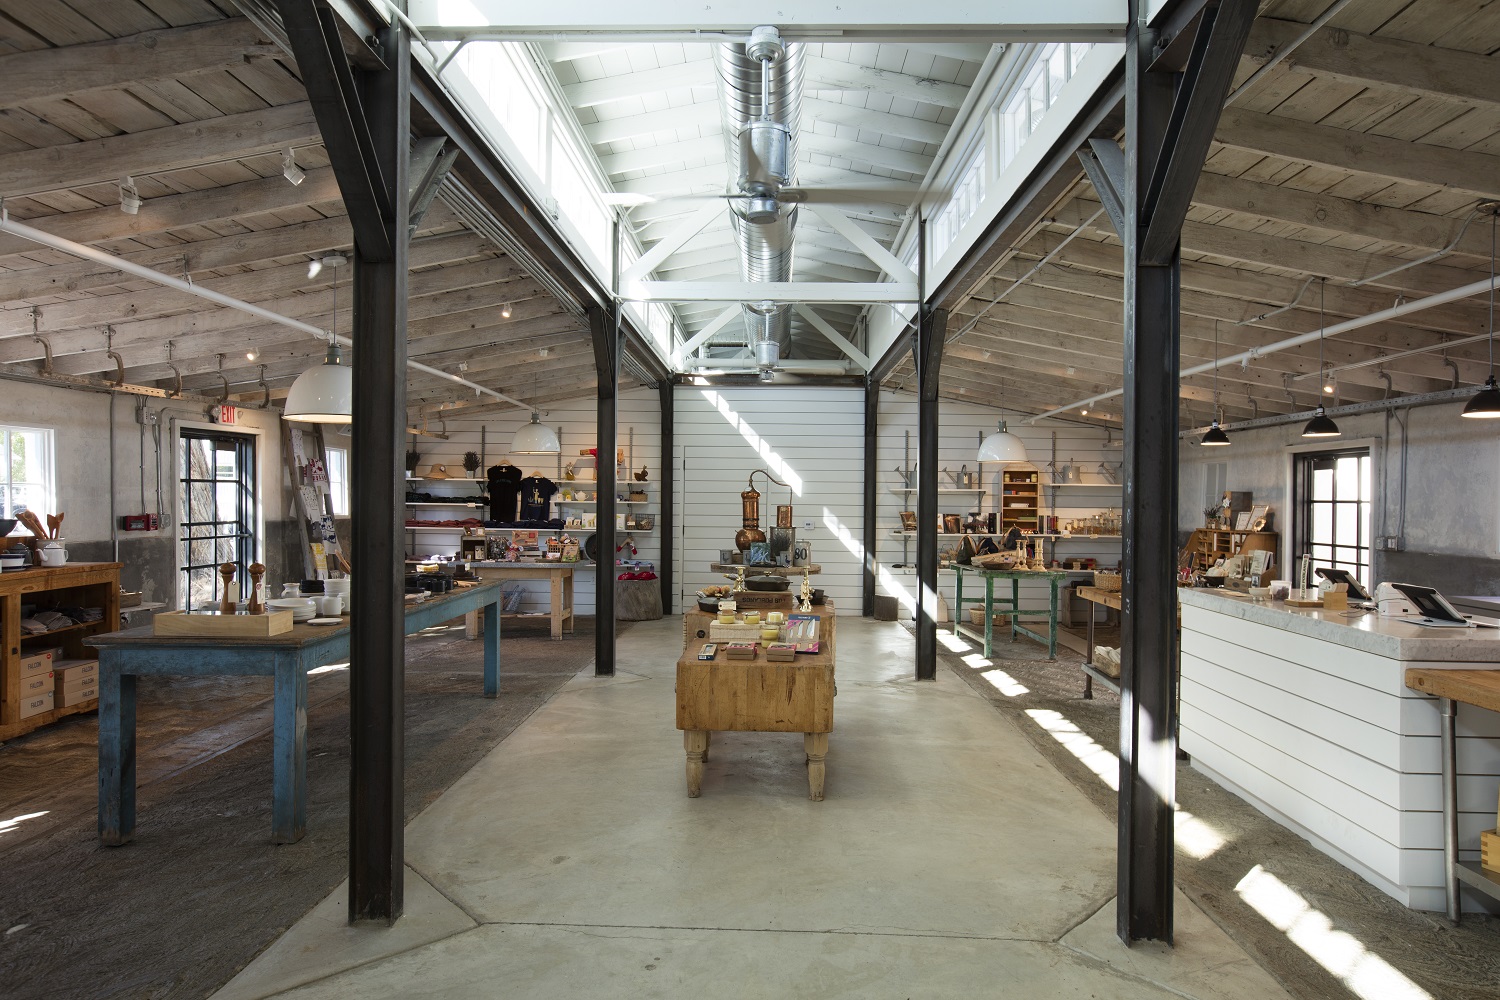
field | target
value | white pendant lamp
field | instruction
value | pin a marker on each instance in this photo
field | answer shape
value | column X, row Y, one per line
column 325, row 394
column 1002, row 446
column 536, row 438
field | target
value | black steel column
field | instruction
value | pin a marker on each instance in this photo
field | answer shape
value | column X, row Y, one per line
column 932, row 328
column 377, row 696
column 871, row 526
column 1148, row 623
column 604, row 326
column 666, row 396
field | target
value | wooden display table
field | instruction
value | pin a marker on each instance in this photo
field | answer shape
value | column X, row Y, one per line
column 286, row 657
column 560, row 574
column 759, row 696
column 1092, row 672
column 89, row 585
column 1480, row 688
column 1010, row 606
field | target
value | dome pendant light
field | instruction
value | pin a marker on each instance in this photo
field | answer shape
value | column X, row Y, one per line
column 536, row 438
column 1321, row 425
column 1002, row 446
column 1216, row 438
column 325, row 394
column 1486, row 402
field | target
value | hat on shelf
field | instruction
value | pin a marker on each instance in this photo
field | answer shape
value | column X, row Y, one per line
column 438, row 472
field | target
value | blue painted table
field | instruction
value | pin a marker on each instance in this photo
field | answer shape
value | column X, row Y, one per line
column 1010, row 606
column 124, row 656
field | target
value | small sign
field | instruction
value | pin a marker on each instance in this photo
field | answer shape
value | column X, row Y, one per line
column 225, row 414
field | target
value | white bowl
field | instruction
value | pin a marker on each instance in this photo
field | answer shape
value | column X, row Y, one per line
column 293, row 604
column 336, row 586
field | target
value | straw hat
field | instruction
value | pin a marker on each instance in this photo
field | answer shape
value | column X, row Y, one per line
column 438, row 472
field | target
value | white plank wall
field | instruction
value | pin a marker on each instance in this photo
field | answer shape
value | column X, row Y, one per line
column 639, row 413
column 961, row 427
column 1329, row 741
column 816, row 435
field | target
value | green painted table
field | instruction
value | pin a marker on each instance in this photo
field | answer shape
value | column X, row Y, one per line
column 1010, row 606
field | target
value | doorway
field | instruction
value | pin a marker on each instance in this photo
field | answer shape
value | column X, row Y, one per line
column 216, row 498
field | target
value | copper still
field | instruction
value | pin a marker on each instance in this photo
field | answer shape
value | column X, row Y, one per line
column 749, row 520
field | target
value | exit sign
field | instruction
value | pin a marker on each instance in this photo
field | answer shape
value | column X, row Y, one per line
column 225, row 414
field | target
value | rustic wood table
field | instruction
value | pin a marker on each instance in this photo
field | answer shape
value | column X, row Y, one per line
column 124, row 656
column 1480, row 688
column 1010, row 606
column 759, row 695
column 560, row 575
column 1091, row 671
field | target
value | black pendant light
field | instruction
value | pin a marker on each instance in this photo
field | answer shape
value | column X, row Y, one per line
column 1486, row 402
column 1215, row 438
column 1321, row 425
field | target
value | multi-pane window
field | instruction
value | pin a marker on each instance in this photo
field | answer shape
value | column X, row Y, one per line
column 26, row 480
column 338, row 480
column 1334, row 498
column 216, row 476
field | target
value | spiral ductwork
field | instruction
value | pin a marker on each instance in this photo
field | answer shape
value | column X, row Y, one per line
column 765, row 248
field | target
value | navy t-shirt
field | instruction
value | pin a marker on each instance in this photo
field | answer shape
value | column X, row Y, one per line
column 536, row 498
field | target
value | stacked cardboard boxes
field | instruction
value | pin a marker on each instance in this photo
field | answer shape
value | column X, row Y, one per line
column 74, row 681
column 37, row 682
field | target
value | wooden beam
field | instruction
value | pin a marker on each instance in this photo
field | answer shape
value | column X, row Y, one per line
column 101, row 226
column 830, row 74
column 665, row 120
column 56, row 74
column 709, row 148
column 104, row 161
column 1451, row 75
column 1361, row 152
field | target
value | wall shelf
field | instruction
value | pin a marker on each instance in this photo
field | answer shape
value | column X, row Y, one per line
column 942, row 490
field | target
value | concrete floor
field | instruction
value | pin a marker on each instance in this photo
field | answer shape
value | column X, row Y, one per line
column 948, row 859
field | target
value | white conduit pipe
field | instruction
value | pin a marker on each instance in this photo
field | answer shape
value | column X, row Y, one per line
column 1245, row 357
column 9, row 225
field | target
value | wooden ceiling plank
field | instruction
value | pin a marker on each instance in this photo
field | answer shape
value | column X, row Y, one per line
column 56, row 23
column 101, row 160
column 119, row 62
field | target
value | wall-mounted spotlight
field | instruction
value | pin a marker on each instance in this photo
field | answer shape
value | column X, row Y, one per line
column 289, row 168
column 130, row 198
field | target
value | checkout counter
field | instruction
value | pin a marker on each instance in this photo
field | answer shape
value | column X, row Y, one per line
column 1306, row 714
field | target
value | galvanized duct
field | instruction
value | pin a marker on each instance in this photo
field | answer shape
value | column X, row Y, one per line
column 765, row 249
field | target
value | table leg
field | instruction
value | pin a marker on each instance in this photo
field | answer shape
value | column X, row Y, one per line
column 568, row 601
column 492, row 650
column 958, row 599
column 116, row 753
column 557, row 605
column 1052, row 623
column 1088, row 656
column 1015, row 606
column 471, row 625
column 695, row 742
column 1448, row 709
column 816, row 745
column 289, row 751
column 989, row 615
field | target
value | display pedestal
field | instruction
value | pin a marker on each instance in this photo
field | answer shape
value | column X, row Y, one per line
column 638, row 600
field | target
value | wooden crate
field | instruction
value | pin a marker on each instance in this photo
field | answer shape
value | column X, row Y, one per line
column 182, row 624
column 1489, row 850
column 752, row 600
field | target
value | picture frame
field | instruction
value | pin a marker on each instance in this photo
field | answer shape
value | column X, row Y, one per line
column 908, row 520
column 1242, row 521
column 953, row 524
column 759, row 554
column 1260, row 517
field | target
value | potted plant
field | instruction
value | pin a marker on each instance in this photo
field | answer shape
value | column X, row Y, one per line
column 471, row 463
column 412, row 458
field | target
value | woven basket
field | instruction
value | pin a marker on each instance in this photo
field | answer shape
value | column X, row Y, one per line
column 1107, row 581
column 995, row 560
column 976, row 618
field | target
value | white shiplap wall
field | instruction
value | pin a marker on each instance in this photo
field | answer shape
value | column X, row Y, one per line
column 815, row 435
column 576, row 422
column 961, row 428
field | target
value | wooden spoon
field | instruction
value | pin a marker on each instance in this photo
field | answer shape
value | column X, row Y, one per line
column 58, row 532
column 52, row 525
column 33, row 525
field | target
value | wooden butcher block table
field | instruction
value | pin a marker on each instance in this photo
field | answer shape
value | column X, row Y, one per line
column 758, row 696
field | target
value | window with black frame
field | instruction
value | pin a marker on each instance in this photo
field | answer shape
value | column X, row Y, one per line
column 1333, row 492
column 216, row 495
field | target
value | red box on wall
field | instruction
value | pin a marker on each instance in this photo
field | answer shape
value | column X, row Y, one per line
column 140, row 522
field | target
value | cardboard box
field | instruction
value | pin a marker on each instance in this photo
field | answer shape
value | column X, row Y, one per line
column 34, row 684
column 784, row 651
column 36, row 705
column 63, row 699
column 73, row 671
column 37, row 662
column 740, row 650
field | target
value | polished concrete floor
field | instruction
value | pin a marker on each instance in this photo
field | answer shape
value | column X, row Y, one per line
column 949, row 859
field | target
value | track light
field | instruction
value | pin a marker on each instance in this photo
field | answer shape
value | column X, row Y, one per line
column 130, row 198
column 314, row 267
column 251, row 354
column 289, row 168
column 1085, row 411
column 505, row 311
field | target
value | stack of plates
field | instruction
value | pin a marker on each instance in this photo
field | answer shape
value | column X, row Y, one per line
column 302, row 608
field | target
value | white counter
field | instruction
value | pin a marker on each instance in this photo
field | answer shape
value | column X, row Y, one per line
column 1306, row 715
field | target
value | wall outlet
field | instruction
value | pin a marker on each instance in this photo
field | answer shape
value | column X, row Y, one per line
column 807, row 526
column 1389, row 543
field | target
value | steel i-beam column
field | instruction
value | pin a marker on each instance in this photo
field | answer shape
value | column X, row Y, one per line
column 666, row 396
column 872, row 417
column 1148, row 623
column 932, row 329
column 604, row 325
column 377, row 702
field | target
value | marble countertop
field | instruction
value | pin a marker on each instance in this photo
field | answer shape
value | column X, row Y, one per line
column 1367, row 631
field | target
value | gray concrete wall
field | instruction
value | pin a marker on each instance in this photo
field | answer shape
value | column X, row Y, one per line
column 80, row 424
column 1451, row 532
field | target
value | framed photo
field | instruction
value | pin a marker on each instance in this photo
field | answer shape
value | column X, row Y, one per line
column 953, row 524
column 1242, row 522
column 908, row 520
column 1260, row 517
column 760, row 554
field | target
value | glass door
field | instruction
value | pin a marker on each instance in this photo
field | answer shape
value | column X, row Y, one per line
column 216, row 495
